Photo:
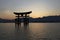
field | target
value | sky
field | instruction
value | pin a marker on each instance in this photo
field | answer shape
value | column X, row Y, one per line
column 39, row 8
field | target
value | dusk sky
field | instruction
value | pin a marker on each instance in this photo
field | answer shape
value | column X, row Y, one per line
column 39, row 8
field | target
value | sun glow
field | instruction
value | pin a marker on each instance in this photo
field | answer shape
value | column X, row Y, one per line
column 39, row 8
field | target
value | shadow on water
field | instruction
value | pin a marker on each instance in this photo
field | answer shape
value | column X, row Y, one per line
column 21, row 32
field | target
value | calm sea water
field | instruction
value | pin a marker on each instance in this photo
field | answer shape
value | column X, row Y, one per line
column 33, row 31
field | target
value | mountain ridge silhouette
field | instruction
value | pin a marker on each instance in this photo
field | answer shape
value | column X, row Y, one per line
column 43, row 19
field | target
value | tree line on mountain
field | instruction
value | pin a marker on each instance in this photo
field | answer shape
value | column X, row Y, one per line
column 43, row 19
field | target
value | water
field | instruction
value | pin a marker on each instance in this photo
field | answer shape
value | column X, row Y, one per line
column 33, row 31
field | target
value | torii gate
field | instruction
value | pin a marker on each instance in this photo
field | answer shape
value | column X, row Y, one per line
column 24, row 15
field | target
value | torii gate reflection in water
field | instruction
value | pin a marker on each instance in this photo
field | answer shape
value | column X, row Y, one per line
column 24, row 15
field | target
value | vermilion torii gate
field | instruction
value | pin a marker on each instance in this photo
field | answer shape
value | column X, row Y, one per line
column 24, row 15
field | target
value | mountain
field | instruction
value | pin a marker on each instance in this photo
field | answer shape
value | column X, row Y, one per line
column 43, row 19
column 6, row 20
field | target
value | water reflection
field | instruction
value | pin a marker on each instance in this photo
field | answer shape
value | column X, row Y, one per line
column 21, row 32
column 31, row 31
column 17, row 26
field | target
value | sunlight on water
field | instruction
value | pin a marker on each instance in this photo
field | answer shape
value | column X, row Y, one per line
column 33, row 31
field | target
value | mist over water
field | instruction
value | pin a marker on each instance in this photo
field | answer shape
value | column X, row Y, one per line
column 33, row 31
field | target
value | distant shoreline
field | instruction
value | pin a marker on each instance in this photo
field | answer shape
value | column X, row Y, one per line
column 48, row 19
column 31, row 22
